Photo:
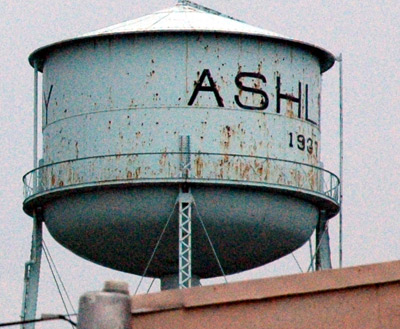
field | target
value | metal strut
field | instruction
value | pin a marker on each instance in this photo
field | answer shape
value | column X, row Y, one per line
column 32, row 267
column 32, row 273
column 322, row 249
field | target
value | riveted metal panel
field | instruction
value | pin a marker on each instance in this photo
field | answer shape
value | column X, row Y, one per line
column 113, row 112
column 132, row 95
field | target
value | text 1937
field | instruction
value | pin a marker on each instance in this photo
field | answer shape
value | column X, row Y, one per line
column 303, row 143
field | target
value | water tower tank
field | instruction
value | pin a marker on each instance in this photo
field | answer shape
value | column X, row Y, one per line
column 125, row 106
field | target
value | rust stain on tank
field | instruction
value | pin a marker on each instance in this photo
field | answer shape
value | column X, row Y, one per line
column 53, row 180
column 163, row 160
column 267, row 172
column 259, row 168
column 289, row 109
column 297, row 177
column 76, row 150
column 70, row 176
column 245, row 171
column 259, row 69
column 199, row 165
column 129, row 175
column 137, row 172
column 240, row 92
column 281, row 179
column 257, row 84
column 221, row 173
column 242, row 169
column 227, row 133
column 312, row 178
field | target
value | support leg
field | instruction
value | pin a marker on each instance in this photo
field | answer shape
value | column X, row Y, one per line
column 32, row 273
column 323, row 251
column 185, row 239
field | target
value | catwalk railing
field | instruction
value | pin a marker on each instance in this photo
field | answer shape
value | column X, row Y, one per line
column 209, row 168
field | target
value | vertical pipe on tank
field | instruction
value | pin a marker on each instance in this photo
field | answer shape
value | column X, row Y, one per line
column 35, row 123
column 340, row 60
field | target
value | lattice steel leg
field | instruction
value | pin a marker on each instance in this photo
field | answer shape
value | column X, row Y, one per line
column 185, row 239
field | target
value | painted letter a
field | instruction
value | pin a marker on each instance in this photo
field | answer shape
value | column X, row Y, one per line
column 211, row 87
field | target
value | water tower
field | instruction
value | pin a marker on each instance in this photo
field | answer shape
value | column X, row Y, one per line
column 186, row 117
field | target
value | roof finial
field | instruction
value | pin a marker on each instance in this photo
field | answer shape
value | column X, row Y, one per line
column 205, row 9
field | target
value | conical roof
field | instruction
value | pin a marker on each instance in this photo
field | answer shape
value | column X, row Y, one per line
column 187, row 16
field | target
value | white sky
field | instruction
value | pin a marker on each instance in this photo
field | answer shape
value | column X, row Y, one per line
column 366, row 32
